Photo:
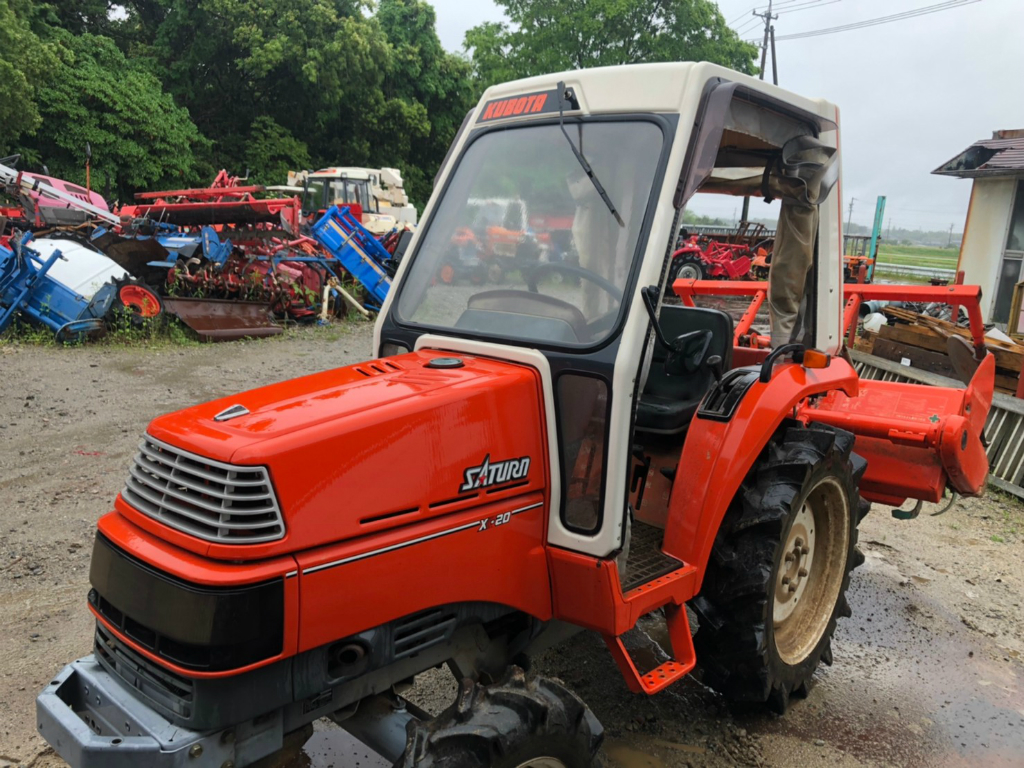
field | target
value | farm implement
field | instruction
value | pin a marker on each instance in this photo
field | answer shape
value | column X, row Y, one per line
column 562, row 453
column 66, row 286
column 226, row 259
column 746, row 254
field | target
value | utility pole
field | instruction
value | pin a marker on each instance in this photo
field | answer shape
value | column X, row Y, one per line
column 775, row 61
column 769, row 30
column 849, row 218
column 949, row 243
column 888, row 232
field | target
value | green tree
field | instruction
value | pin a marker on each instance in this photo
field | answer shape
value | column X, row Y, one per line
column 139, row 138
column 353, row 89
column 25, row 62
column 423, row 73
column 271, row 151
column 552, row 35
column 314, row 67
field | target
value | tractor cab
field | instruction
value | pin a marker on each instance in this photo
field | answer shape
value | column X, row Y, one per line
column 606, row 171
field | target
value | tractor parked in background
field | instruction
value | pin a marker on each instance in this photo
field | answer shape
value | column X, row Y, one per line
column 700, row 258
column 376, row 196
column 563, row 452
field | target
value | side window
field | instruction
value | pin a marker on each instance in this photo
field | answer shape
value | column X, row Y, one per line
column 1013, row 255
column 582, row 425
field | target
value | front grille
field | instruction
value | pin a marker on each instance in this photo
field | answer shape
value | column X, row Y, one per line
column 223, row 503
column 161, row 686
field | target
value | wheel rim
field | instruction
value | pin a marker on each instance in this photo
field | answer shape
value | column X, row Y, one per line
column 689, row 272
column 810, row 571
column 542, row 762
column 141, row 301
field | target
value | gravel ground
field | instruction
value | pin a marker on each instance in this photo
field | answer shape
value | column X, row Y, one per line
column 928, row 671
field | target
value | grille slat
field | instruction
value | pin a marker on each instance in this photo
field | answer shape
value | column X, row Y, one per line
column 186, row 494
column 211, row 500
column 177, row 476
column 422, row 631
column 158, row 685
column 197, row 468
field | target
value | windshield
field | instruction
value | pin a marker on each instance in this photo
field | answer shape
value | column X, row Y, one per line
column 313, row 196
column 351, row 191
column 521, row 245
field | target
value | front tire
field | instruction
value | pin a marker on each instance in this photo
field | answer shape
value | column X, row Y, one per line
column 515, row 723
column 777, row 577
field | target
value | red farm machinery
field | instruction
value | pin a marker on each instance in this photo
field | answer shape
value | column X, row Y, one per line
column 561, row 453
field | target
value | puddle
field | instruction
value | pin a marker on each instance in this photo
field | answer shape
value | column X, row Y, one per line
column 623, row 755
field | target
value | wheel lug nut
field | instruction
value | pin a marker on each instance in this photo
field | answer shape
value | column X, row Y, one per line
column 804, row 550
column 799, row 542
column 802, row 572
column 792, row 587
column 785, row 579
column 790, row 557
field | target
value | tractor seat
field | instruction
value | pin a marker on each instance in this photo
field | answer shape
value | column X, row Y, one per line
column 668, row 402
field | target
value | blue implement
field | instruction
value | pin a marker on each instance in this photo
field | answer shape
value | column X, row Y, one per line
column 359, row 252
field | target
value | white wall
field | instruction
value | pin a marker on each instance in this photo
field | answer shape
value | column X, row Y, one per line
column 981, row 251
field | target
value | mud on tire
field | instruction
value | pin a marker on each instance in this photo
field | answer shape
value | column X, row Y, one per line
column 506, row 725
column 753, row 643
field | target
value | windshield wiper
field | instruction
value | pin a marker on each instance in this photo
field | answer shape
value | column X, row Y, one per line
column 583, row 161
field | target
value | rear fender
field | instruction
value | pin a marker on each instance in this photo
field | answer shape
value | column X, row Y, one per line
column 718, row 455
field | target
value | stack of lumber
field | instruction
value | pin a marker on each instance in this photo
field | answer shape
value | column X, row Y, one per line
column 923, row 340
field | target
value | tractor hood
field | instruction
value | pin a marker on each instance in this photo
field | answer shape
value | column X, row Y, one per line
column 368, row 447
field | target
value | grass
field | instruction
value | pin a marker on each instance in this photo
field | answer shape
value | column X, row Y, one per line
column 166, row 332
column 918, row 256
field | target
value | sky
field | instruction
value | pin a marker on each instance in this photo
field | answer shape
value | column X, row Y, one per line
column 912, row 94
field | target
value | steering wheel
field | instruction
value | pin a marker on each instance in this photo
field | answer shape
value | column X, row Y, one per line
column 687, row 352
column 540, row 269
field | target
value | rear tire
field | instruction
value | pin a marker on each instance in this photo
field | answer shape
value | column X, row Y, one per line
column 790, row 535
column 514, row 723
column 690, row 267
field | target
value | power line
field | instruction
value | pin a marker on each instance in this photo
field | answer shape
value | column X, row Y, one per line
column 756, row 22
column 754, row 9
column 743, row 15
column 923, row 11
column 809, row 6
column 803, row 3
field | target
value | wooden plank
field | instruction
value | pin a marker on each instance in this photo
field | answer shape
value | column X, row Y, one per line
column 1009, row 383
column 865, row 341
column 922, row 359
column 932, row 336
column 915, row 335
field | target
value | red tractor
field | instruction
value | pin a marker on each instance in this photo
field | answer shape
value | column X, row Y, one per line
column 701, row 258
column 562, row 453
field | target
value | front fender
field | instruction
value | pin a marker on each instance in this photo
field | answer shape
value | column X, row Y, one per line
column 718, row 455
